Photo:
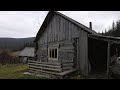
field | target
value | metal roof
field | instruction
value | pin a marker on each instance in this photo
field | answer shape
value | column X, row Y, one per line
column 27, row 51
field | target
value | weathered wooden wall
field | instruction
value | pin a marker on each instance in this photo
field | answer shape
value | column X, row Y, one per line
column 83, row 52
column 61, row 31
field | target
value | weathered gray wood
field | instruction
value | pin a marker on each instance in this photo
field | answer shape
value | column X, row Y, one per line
column 68, row 64
column 67, row 72
column 47, row 69
column 48, row 72
column 42, row 71
column 83, row 52
column 108, row 58
column 67, row 68
column 44, row 65
column 61, row 31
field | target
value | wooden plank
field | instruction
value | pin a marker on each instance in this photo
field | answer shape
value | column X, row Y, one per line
column 59, row 29
column 53, row 45
column 67, row 72
column 44, row 65
column 67, row 65
column 48, row 63
column 44, row 68
column 67, row 62
column 37, row 71
column 67, row 68
column 61, row 74
column 83, row 53
column 108, row 58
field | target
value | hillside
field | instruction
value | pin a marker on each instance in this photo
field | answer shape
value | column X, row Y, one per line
column 15, row 43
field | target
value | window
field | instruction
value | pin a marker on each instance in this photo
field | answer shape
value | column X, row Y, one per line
column 53, row 53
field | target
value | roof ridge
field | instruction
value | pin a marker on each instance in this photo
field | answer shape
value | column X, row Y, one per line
column 51, row 13
column 73, row 20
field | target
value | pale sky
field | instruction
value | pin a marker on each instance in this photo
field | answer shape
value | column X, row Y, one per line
column 22, row 24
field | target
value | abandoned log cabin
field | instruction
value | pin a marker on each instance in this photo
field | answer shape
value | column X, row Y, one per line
column 63, row 45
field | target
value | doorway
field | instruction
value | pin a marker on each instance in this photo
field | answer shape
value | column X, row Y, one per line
column 97, row 54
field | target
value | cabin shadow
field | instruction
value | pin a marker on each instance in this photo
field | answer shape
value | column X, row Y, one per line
column 97, row 54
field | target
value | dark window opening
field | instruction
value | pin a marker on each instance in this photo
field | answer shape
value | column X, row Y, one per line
column 50, row 53
column 53, row 53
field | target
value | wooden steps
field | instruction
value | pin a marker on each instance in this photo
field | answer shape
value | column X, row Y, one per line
column 44, row 68
column 36, row 71
column 45, row 63
column 51, row 74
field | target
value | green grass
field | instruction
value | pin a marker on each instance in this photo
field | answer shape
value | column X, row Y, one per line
column 15, row 71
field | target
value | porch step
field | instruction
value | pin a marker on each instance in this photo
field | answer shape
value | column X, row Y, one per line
column 50, row 74
column 38, row 71
column 45, row 68
column 45, row 63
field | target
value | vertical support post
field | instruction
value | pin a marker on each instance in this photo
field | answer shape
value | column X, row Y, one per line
column 108, row 58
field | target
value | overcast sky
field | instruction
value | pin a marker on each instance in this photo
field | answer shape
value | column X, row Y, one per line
column 21, row 24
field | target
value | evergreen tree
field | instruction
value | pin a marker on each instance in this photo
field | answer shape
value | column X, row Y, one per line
column 113, row 26
column 114, row 30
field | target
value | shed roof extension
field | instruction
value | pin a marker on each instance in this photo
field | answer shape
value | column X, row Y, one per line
column 105, row 38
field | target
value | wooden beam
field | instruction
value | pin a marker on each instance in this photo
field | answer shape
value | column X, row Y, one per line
column 108, row 58
column 105, row 39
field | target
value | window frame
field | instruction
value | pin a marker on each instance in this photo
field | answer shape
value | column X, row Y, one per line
column 51, row 58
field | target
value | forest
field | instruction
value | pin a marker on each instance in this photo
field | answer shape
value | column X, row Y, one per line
column 15, row 44
column 114, row 30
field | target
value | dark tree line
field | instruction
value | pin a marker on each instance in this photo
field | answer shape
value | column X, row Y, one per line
column 14, row 44
column 114, row 30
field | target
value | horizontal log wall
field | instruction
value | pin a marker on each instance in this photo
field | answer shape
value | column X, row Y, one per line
column 65, row 51
column 48, row 67
column 42, row 54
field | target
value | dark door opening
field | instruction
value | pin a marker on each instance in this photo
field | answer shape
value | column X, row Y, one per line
column 97, row 54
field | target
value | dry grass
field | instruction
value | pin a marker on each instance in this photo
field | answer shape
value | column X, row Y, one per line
column 14, row 71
